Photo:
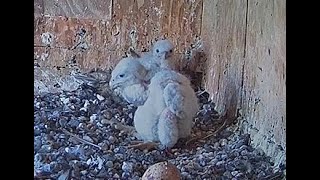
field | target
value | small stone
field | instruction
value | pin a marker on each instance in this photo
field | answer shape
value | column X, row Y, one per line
column 119, row 156
column 230, row 167
column 224, row 157
column 105, row 121
column 47, row 168
column 45, row 148
column 83, row 118
column 89, row 161
column 116, row 176
column 210, row 154
column 73, row 123
column 37, row 143
column 243, row 147
column 234, row 173
column 84, row 172
column 220, row 163
column 93, row 117
column 202, row 162
column 64, row 100
column 130, row 115
column 111, row 139
column 107, row 115
column 213, row 161
column 223, row 142
column 261, row 175
column 100, row 162
column 244, row 152
column 67, row 149
column 184, row 174
column 87, row 138
column 100, row 98
column 220, row 169
column 81, row 125
column 109, row 164
column 216, row 145
column 63, row 122
column 125, row 175
column 240, row 175
column 38, row 157
column 227, row 174
column 197, row 166
column 38, row 105
column 36, row 131
column 95, row 102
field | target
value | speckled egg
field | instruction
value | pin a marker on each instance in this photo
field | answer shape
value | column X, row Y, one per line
column 162, row 170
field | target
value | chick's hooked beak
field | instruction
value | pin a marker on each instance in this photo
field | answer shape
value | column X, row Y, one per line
column 168, row 54
column 112, row 84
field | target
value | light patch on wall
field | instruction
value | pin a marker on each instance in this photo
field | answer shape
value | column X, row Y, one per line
column 133, row 38
column 44, row 56
column 47, row 38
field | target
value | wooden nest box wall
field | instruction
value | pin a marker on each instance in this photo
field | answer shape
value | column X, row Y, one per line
column 239, row 46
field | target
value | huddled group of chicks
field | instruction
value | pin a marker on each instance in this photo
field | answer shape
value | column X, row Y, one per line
column 166, row 101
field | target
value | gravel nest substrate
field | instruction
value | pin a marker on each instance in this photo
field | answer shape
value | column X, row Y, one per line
column 85, row 113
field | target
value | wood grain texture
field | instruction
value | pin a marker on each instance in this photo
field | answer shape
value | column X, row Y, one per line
column 82, row 9
column 245, row 45
column 264, row 81
column 223, row 34
column 129, row 23
column 38, row 7
column 97, row 34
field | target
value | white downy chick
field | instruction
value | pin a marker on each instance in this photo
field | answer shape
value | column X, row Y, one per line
column 128, row 79
column 167, row 114
column 159, row 57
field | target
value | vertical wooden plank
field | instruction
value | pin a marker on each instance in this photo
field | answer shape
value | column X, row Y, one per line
column 264, row 89
column 223, row 33
column 245, row 46
column 38, row 7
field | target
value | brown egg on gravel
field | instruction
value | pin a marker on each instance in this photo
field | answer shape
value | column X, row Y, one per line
column 162, row 170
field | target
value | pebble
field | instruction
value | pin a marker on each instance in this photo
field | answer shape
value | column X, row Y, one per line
column 216, row 145
column 223, row 142
column 111, row 139
column 243, row 147
column 88, row 138
column 100, row 98
column 93, row 117
column 220, row 163
column 184, row 174
column 109, row 164
column 224, row 157
column 37, row 143
column 116, row 176
column 126, row 166
column 45, row 149
column 107, row 115
column 62, row 122
column 234, row 173
column 227, row 174
column 73, row 123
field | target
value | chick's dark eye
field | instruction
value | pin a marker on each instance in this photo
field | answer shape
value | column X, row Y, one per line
column 121, row 75
column 170, row 51
column 157, row 50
